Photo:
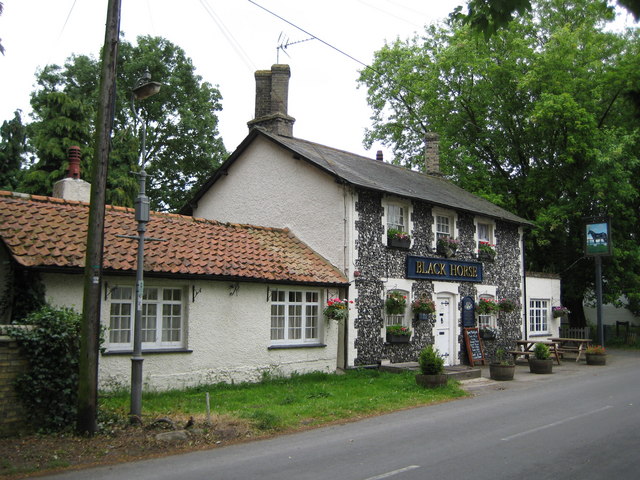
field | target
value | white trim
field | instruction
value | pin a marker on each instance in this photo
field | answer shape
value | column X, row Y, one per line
column 397, row 201
column 442, row 212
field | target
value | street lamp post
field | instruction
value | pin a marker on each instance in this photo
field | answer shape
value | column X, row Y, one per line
column 144, row 89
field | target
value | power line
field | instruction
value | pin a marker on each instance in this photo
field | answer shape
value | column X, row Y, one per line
column 228, row 35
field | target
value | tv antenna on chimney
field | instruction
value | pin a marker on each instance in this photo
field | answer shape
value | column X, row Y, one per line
column 284, row 43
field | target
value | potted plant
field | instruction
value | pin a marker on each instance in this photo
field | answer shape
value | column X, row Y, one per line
column 431, row 368
column 395, row 304
column 447, row 246
column 398, row 239
column 560, row 311
column 423, row 308
column 398, row 334
column 542, row 362
column 488, row 333
column 486, row 306
column 486, row 251
column 337, row 309
column 507, row 305
column 596, row 355
column 503, row 368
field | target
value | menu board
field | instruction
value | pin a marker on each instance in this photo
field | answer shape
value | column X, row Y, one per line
column 474, row 345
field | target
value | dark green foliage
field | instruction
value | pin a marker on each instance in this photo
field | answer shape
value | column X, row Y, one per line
column 26, row 292
column 541, row 351
column 183, row 147
column 431, row 363
column 539, row 119
column 13, row 137
column 49, row 388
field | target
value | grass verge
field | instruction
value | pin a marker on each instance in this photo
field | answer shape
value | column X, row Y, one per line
column 239, row 412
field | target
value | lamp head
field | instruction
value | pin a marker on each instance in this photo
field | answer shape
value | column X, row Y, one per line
column 145, row 87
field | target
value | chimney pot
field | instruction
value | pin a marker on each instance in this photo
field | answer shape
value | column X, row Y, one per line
column 73, row 154
column 379, row 156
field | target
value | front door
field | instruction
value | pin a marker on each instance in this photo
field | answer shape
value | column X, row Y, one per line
column 444, row 328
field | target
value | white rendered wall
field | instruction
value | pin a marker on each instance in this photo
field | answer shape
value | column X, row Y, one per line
column 266, row 186
column 545, row 288
column 228, row 336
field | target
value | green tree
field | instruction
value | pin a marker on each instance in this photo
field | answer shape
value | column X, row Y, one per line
column 536, row 119
column 183, row 144
column 12, row 148
column 488, row 16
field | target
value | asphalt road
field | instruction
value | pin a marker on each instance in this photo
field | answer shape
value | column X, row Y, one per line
column 581, row 422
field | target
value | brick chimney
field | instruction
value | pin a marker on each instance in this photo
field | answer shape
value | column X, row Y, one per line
column 432, row 154
column 380, row 156
column 272, row 99
column 72, row 187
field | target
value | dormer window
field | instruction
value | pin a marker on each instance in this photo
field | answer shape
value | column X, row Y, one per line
column 397, row 218
column 444, row 226
column 396, row 221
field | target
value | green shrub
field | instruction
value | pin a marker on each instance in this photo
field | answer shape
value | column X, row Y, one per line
column 541, row 351
column 431, row 363
column 52, row 346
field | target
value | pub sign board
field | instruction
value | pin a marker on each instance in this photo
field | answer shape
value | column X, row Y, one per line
column 597, row 237
column 425, row 268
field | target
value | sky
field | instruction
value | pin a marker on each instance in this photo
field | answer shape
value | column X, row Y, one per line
column 227, row 41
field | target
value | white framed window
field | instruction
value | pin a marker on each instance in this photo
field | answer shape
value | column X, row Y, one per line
column 444, row 223
column 538, row 316
column 487, row 321
column 485, row 232
column 162, row 317
column 397, row 217
column 399, row 318
column 444, row 226
column 295, row 316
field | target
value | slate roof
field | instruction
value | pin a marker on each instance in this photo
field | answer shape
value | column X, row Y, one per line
column 373, row 174
column 50, row 233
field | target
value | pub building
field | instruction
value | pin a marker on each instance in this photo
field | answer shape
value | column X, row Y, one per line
column 388, row 229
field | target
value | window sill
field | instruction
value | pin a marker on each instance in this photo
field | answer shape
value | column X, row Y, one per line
column 297, row 345
column 147, row 352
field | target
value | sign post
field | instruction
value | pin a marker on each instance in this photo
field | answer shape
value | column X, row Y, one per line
column 598, row 244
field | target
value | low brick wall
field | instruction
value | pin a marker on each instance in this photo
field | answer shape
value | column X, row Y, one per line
column 12, row 364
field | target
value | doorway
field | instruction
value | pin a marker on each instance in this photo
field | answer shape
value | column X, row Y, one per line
column 445, row 328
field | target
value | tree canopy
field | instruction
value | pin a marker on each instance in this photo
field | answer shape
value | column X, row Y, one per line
column 538, row 119
column 183, row 147
column 488, row 16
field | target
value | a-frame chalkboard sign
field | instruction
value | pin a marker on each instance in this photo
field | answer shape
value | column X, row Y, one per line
column 474, row 346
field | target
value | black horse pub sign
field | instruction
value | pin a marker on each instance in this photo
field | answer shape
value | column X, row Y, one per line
column 443, row 269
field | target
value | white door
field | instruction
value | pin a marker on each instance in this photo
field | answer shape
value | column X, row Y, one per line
column 444, row 328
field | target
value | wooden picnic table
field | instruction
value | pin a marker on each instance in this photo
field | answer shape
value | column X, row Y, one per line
column 572, row 345
column 525, row 349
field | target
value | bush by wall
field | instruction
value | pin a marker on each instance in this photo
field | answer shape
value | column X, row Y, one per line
column 48, row 389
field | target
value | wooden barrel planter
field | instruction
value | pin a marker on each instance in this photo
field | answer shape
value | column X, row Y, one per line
column 540, row 366
column 596, row 359
column 431, row 381
column 501, row 372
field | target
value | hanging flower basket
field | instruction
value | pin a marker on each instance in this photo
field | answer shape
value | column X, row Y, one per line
column 422, row 306
column 447, row 246
column 507, row 305
column 486, row 306
column 395, row 304
column 337, row 309
column 560, row 311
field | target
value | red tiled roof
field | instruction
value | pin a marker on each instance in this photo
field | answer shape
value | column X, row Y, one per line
column 51, row 232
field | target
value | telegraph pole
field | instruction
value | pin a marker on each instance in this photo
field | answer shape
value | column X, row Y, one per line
column 90, row 331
